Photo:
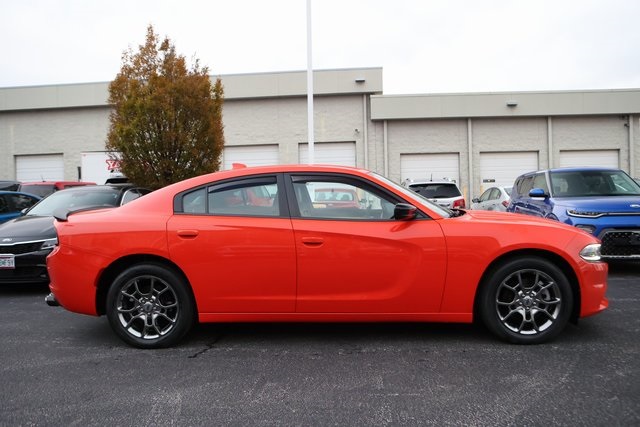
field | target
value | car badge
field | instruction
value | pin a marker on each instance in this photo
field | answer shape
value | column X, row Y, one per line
column 7, row 239
column 635, row 205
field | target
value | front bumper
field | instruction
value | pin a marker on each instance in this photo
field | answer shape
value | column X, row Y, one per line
column 30, row 267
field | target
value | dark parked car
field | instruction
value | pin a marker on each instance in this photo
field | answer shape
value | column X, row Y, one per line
column 26, row 241
column 603, row 202
column 13, row 203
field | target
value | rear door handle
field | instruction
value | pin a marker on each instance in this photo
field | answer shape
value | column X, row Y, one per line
column 188, row 234
column 312, row 241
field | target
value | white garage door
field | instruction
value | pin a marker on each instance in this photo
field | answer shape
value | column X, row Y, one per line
column 329, row 153
column 48, row 167
column 431, row 166
column 502, row 169
column 577, row 158
column 251, row 155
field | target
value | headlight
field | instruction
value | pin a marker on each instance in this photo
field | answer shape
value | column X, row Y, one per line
column 591, row 252
column 49, row 244
column 584, row 214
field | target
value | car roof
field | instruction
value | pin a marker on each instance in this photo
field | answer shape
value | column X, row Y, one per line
column 58, row 182
column 94, row 188
column 431, row 181
column 572, row 169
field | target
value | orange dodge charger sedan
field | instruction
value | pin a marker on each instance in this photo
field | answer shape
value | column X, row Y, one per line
column 250, row 245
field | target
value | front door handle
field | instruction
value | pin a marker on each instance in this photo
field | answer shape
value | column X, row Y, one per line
column 312, row 241
column 188, row 234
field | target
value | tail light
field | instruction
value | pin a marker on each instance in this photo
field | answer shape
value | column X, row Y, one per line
column 505, row 203
column 458, row 204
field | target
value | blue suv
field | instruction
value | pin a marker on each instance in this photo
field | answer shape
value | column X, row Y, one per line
column 603, row 202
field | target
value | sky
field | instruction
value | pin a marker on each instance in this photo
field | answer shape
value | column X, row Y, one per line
column 423, row 46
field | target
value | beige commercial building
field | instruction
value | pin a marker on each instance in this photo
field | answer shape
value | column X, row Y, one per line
column 58, row 132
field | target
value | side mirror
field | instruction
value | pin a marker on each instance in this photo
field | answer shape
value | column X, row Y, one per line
column 538, row 193
column 404, row 212
column 475, row 200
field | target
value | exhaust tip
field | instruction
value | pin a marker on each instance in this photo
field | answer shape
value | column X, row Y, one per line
column 51, row 300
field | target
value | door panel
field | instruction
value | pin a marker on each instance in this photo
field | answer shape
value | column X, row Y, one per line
column 369, row 266
column 236, row 264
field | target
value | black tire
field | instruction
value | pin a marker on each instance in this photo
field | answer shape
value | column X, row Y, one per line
column 150, row 306
column 526, row 300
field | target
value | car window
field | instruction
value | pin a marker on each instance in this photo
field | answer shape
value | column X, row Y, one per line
column 334, row 198
column 436, row 191
column 257, row 196
column 195, row 202
column 20, row 201
column 540, row 181
column 132, row 194
column 495, row 194
column 245, row 197
column 4, row 206
column 485, row 196
column 525, row 185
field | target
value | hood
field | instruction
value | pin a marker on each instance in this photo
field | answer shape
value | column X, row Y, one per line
column 27, row 228
column 512, row 218
column 611, row 204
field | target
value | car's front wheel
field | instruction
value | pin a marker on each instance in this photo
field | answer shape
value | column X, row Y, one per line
column 526, row 300
column 149, row 306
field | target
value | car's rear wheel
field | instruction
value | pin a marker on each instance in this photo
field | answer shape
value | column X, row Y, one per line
column 149, row 306
column 526, row 301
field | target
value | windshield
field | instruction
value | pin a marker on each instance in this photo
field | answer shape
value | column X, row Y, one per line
column 412, row 195
column 591, row 183
column 73, row 200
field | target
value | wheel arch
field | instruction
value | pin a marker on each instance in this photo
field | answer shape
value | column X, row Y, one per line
column 115, row 268
column 556, row 259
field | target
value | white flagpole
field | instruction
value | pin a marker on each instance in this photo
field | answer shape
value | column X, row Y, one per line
column 311, row 159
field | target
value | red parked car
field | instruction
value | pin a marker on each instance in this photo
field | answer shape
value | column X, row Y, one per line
column 184, row 254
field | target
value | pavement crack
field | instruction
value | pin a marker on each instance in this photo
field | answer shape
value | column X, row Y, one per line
column 208, row 347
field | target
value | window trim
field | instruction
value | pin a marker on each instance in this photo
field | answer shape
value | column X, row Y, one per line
column 231, row 183
column 291, row 177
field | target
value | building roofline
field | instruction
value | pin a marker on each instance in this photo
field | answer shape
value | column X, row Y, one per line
column 236, row 86
column 505, row 104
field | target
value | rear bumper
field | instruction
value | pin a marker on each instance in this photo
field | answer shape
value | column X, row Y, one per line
column 73, row 280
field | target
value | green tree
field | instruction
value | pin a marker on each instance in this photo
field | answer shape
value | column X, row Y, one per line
column 166, row 122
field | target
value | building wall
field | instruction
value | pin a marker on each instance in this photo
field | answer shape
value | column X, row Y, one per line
column 426, row 137
column 66, row 131
column 284, row 122
column 591, row 133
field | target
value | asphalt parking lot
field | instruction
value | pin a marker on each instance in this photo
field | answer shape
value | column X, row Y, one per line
column 60, row 368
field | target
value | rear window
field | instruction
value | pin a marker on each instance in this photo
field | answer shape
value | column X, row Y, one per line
column 436, row 191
